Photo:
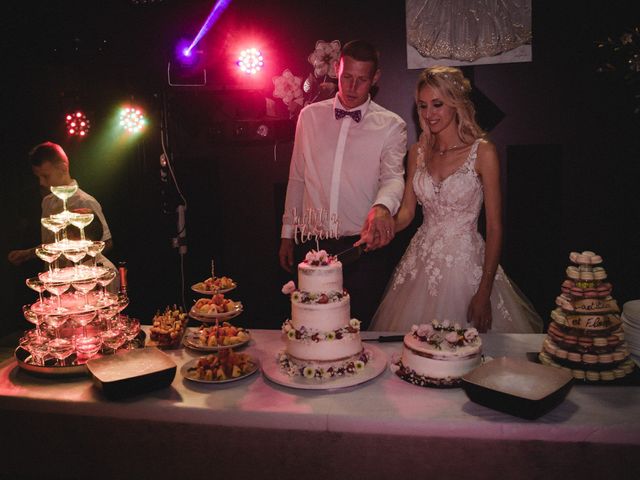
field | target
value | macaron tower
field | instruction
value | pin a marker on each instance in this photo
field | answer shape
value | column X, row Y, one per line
column 585, row 334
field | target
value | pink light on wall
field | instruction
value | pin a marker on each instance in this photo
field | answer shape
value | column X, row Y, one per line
column 77, row 124
column 250, row 61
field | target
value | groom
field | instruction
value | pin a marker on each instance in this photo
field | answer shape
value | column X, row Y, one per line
column 348, row 159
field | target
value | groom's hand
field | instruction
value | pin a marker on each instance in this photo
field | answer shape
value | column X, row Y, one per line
column 286, row 254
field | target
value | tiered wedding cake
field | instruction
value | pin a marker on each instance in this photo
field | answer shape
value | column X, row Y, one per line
column 322, row 340
column 439, row 354
column 585, row 334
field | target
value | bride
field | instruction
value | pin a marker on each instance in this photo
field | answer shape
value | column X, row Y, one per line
column 447, row 272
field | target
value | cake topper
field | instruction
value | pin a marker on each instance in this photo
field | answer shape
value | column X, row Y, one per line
column 314, row 224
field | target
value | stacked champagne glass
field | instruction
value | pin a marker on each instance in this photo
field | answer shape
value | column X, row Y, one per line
column 79, row 318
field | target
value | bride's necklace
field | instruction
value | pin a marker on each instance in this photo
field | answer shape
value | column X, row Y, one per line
column 448, row 149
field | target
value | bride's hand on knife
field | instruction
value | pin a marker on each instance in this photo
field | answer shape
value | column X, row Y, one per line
column 479, row 312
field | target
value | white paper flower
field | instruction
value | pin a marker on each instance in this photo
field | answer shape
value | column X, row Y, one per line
column 289, row 287
column 323, row 58
column 330, row 336
column 288, row 87
column 355, row 323
column 291, row 334
column 308, row 372
column 359, row 364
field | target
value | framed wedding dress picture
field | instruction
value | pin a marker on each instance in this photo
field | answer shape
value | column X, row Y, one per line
column 467, row 32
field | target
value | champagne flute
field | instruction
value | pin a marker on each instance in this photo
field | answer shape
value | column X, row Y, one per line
column 48, row 256
column 88, row 346
column 32, row 317
column 94, row 248
column 57, row 288
column 84, row 286
column 75, row 255
column 34, row 283
column 104, row 280
column 56, row 320
column 36, row 345
column 81, row 220
column 61, row 349
column 84, row 319
column 131, row 328
column 54, row 224
column 64, row 192
column 113, row 337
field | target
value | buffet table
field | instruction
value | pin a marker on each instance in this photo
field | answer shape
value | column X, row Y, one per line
column 65, row 428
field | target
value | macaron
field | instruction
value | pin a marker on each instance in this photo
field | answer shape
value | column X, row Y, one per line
column 592, row 376
column 596, row 259
column 607, row 375
column 586, row 275
column 618, row 372
column 599, row 273
column 573, row 256
column 574, row 357
column 583, row 259
column 573, row 273
column 590, row 358
column 561, row 353
column 605, row 358
column 578, row 374
column 600, row 342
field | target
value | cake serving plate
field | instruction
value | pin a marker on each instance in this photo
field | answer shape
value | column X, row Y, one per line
column 271, row 369
column 517, row 386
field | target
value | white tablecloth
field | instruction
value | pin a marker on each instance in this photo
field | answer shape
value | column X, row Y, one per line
column 284, row 428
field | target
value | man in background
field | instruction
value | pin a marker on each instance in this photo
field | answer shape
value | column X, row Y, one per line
column 50, row 164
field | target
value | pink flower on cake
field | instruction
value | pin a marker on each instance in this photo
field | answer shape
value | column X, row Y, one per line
column 324, row 58
column 317, row 257
column 452, row 338
column 446, row 323
column 289, row 287
column 424, row 330
column 470, row 334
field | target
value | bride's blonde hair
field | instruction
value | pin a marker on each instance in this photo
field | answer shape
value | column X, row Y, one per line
column 454, row 88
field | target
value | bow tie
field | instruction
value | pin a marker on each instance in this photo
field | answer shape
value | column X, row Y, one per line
column 355, row 114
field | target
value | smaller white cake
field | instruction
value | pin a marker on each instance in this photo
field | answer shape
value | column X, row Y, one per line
column 439, row 354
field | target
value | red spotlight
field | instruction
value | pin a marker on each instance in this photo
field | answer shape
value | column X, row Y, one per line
column 77, row 123
column 250, row 61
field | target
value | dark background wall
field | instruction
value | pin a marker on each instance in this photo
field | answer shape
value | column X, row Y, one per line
column 568, row 138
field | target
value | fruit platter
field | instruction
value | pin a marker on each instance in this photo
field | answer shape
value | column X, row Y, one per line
column 168, row 328
column 216, row 307
column 224, row 366
column 216, row 337
column 214, row 285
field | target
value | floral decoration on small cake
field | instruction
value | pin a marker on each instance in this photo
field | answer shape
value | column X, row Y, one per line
column 319, row 258
column 312, row 335
column 445, row 335
column 311, row 371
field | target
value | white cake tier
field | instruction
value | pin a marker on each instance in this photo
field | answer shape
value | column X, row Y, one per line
column 325, row 350
column 321, row 316
column 425, row 359
column 320, row 279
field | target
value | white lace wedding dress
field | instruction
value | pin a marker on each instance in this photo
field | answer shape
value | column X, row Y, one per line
column 442, row 267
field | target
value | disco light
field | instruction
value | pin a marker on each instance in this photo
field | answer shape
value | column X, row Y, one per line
column 250, row 61
column 132, row 119
column 77, row 124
